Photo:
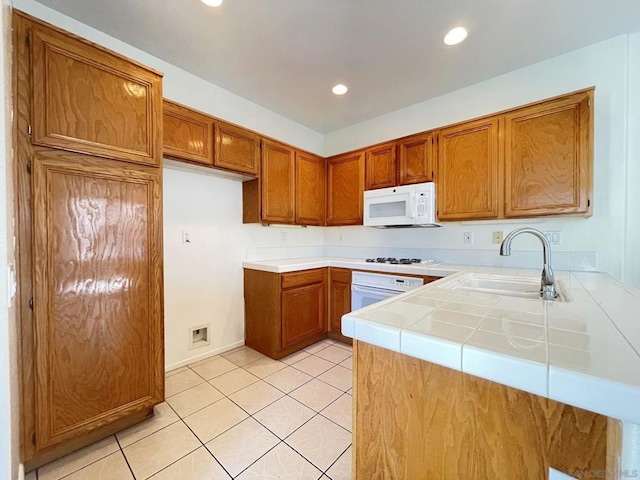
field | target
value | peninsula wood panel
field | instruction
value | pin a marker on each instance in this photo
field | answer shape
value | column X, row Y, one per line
column 187, row 134
column 380, row 167
column 97, row 293
column 339, row 301
column 277, row 182
column 548, row 159
column 310, row 185
column 418, row 420
column 416, row 159
column 345, row 189
column 468, row 171
column 237, row 149
column 87, row 99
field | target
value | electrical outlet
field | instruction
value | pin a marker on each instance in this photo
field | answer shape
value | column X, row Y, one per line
column 468, row 238
column 553, row 237
column 283, row 236
column 340, row 236
column 186, row 237
column 498, row 237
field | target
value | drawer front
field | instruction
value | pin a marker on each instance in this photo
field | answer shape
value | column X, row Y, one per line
column 304, row 277
column 342, row 275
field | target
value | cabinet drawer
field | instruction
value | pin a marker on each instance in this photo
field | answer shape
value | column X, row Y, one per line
column 305, row 277
column 342, row 275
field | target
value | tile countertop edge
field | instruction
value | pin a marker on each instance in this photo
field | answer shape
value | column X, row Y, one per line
column 583, row 390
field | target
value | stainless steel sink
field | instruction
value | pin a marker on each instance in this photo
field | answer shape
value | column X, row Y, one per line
column 505, row 285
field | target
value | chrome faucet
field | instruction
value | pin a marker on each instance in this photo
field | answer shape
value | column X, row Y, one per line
column 547, row 285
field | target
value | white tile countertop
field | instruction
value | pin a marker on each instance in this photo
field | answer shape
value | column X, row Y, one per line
column 584, row 352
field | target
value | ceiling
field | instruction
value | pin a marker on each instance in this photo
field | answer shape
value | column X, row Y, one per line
column 287, row 54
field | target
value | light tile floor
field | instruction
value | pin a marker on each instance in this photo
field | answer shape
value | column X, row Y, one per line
column 236, row 415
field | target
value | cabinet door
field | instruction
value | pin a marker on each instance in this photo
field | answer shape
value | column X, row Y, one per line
column 303, row 313
column 380, row 167
column 339, row 300
column 277, row 182
column 548, row 158
column 468, row 171
column 89, row 100
column 310, row 189
column 97, row 293
column 415, row 159
column 345, row 189
column 237, row 149
column 187, row 134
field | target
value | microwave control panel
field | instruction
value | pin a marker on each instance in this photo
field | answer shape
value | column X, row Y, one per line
column 422, row 204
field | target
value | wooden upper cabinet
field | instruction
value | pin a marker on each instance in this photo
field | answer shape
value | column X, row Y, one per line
column 310, row 189
column 277, row 182
column 468, row 171
column 89, row 100
column 380, row 167
column 187, row 134
column 416, row 159
column 236, row 149
column 345, row 189
column 97, row 246
column 548, row 157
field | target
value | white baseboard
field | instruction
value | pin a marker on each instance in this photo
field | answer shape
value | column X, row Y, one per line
column 202, row 356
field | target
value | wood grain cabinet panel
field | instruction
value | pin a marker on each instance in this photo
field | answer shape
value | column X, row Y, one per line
column 303, row 313
column 187, row 134
column 277, row 182
column 310, row 189
column 548, row 158
column 89, row 100
column 284, row 312
column 416, row 159
column 339, row 301
column 380, row 167
column 417, row 420
column 97, row 293
column 237, row 149
column 468, row 171
column 345, row 189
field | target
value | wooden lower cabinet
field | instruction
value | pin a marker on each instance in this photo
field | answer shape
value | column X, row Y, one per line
column 417, row 420
column 284, row 312
column 339, row 301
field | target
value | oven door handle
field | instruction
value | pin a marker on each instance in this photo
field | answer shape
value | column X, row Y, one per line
column 378, row 291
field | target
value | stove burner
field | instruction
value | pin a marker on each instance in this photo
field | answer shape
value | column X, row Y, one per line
column 394, row 261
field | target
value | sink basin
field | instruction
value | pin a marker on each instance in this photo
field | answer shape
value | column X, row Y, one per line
column 506, row 285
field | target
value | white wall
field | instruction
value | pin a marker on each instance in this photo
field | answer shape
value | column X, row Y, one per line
column 631, row 271
column 604, row 65
column 9, row 383
column 203, row 278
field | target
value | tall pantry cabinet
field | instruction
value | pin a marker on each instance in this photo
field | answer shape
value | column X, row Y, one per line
column 88, row 136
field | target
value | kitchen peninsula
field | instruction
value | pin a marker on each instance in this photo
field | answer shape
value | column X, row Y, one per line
column 482, row 385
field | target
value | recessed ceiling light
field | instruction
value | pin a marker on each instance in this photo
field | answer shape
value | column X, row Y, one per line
column 455, row 36
column 340, row 89
column 212, row 3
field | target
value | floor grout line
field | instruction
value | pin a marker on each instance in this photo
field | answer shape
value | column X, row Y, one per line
column 125, row 458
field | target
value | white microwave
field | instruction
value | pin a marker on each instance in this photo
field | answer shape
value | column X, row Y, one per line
column 404, row 206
